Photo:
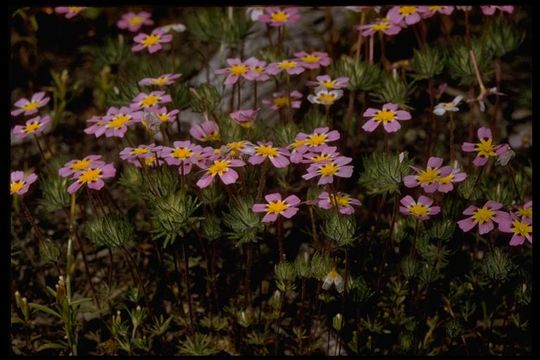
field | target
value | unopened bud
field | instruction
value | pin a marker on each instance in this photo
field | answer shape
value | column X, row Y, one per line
column 337, row 321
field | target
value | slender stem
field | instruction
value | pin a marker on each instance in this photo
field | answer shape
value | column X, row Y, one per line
column 498, row 74
column 327, row 115
column 477, row 71
column 371, row 41
column 360, row 37
column 433, row 133
column 69, row 255
column 513, row 177
column 280, row 238
column 467, row 30
column 239, row 98
column 254, row 94
column 289, row 101
column 188, row 284
column 262, row 180
column 452, row 126
column 413, row 246
column 313, row 227
column 41, row 152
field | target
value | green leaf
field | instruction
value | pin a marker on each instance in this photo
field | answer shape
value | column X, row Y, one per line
column 48, row 346
column 45, row 309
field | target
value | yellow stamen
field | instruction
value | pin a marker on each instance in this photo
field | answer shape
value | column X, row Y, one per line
column 162, row 80
column 382, row 25
column 266, row 150
column 139, row 151
column 428, row 176
column 136, row 20
column 281, row 101
column 150, row 100
column 80, row 165
column 418, row 209
column 219, row 167
column 118, row 121
column 181, row 153
column 311, row 59
column 326, row 98
column 150, row 40
column 276, row 207
column 385, row 116
column 329, row 169
column 280, row 17
column 329, row 84
column 483, row 215
column 316, row 139
column 445, row 179
column 16, row 186
column 238, row 69
column 341, row 199
column 525, row 212
column 32, row 127
column 485, row 148
column 287, row 64
column 521, row 228
column 407, row 10
column 29, row 106
column 90, row 175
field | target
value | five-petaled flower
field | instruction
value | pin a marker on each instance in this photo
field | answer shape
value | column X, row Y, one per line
column 150, row 101
column 277, row 17
column 382, row 25
column 344, row 202
column 442, row 108
column 151, row 42
column 388, row 116
column 327, row 82
column 421, row 209
column 206, row 131
column 142, row 155
column 313, row 60
column 323, row 96
column 490, row 9
column 281, row 100
column 276, row 206
column 405, row 15
column 244, row 118
column 165, row 116
column 520, row 228
column 435, row 177
column 292, row 67
column 222, row 168
column 92, row 177
column 182, row 153
column 133, row 21
column 19, row 183
column 162, row 80
column 33, row 126
column 277, row 156
column 485, row 148
column 236, row 70
column 483, row 217
column 29, row 107
column 258, row 68
column 328, row 169
column 115, row 123
column 317, row 140
column 333, row 277
column 70, row 11
column 75, row 165
column 525, row 212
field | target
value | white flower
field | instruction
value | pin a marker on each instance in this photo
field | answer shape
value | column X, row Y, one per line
column 324, row 97
column 176, row 27
column 333, row 277
column 254, row 12
column 442, row 108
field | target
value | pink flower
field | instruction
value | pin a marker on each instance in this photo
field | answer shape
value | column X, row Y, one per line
column 151, row 42
column 19, row 183
column 222, row 168
column 382, row 25
column 244, row 118
column 258, row 68
column 92, row 176
column 328, row 169
column 490, row 9
column 115, row 123
column 236, row 149
column 276, row 17
column 388, row 116
column 29, row 107
column 343, row 201
column 182, row 153
column 525, row 212
column 522, row 137
column 281, row 100
column 323, row 154
column 275, row 206
column 327, row 82
column 313, row 60
column 421, row 209
column 292, row 67
column 237, row 69
column 207, row 131
column 133, row 22
column 446, row 182
column 429, row 11
column 33, row 126
column 435, row 177
column 70, row 11
column 147, row 155
column 483, row 216
column 277, row 156
column 149, row 101
column 520, row 228
column 402, row 15
column 485, row 148
column 75, row 165
column 317, row 140
column 165, row 116
column 162, row 80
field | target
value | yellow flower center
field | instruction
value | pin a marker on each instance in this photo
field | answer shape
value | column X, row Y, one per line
column 321, row 157
column 32, row 105
column 90, row 175
column 139, row 151
column 149, row 160
column 485, row 148
column 118, row 121
column 150, row 100
column 162, row 80
column 526, row 139
column 448, row 105
column 280, row 17
column 329, row 84
column 136, row 20
column 181, row 153
column 213, row 136
column 281, row 101
column 80, row 165
column 16, row 186
column 316, row 139
column 287, row 64
column 326, row 98
column 329, row 169
column 311, row 59
column 333, row 274
column 385, row 116
column 163, row 117
column 276, row 207
column 266, row 150
column 258, row 69
column 382, row 25
column 407, row 10
column 238, row 69
column 435, row 8
column 428, row 176
column 297, row 143
column 340, row 199
column 219, row 167
column 483, row 215
column 32, row 127
column 521, row 228
column 445, row 179
column 151, row 40
column 235, row 147
column 525, row 212
column 418, row 209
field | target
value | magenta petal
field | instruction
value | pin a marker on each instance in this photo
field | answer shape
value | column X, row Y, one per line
column 425, row 200
column 407, row 201
column 444, row 188
column 493, row 205
column 290, row 212
column 370, row 125
column 96, row 185
column 484, row 132
column 205, row 180
column 470, row 210
column 434, row 210
column 485, row 227
column 292, row 200
column 280, row 161
column 430, row 188
column 74, row 187
column 229, row 177
column 258, row 208
column 403, row 115
column 517, row 240
column 466, row 224
column 435, row 162
column 370, row 112
column 270, row 217
column 480, row 161
column 410, row 181
column 390, row 106
column 467, row 147
column 392, row 126
column 272, row 197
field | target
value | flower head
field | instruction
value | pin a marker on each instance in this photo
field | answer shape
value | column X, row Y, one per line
column 142, row 155
column 521, row 229
column 382, row 25
column 133, row 21
column 92, row 177
column 388, row 116
column 206, row 131
column 324, row 153
column 292, row 67
column 485, row 148
column 244, row 118
column 404, row 15
column 236, row 70
column 483, row 217
column 421, row 209
column 429, row 11
column 442, row 108
column 20, row 183
column 276, row 17
column 327, row 82
column 151, row 42
column 166, row 116
column 328, row 169
column 253, row 12
column 75, row 165
column 258, row 69
column 313, row 60
column 182, row 153
column 323, row 96
column 70, row 11
column 316, row 141
column 276, row 206
column 344, row 202
column 490, row 9
column 33, row 126
column 221, row 168
column 522, row 137
column 29, row 107
column 277, row 156
column 150, row 101
column 281, row 100
column 434, row 177
column 525, row 212
column 333, row 277
column 115, row 123
column 162, row 80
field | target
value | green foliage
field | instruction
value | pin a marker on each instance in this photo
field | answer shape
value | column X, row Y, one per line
column 205, row 98
column 359, row 290
column 460, row 65
column 55, row 195
column 503, row 36
column 164, row 180
column 243, row 222
column 198, row 345
column 362, row 75
column 320, row 265
column 383, row 173
column 441, row 229
column 393, row 90
column 497, row 266
column 427, row 62
column 49, row 250
column 340, row 229
column 111, row 231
